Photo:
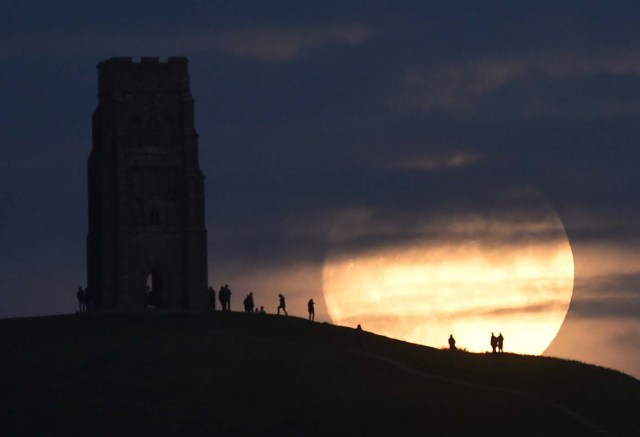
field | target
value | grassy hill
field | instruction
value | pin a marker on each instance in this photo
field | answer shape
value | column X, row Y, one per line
column 232, row 373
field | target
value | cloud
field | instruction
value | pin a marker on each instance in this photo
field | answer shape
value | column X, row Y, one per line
column 447, row 161
column 258, row 42
column 597, row 227
column 286, row 43
column 479, row 312
column 607, row 296
column 456, row 87
column 598, row 260
column 572, row 65
column 459, row 87
column 496, row 216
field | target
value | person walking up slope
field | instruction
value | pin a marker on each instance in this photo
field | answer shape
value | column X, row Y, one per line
column 282, row 306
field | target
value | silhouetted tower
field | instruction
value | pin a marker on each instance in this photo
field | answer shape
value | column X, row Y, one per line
column 147, row 242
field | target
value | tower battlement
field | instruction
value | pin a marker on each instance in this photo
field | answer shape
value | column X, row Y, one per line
column 124, row 75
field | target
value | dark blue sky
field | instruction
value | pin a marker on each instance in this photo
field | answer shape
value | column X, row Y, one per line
column 305, row 109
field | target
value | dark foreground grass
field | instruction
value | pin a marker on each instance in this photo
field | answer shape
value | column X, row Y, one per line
column 236, row 374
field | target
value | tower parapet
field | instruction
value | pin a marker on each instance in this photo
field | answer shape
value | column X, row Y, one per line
column 122, row 74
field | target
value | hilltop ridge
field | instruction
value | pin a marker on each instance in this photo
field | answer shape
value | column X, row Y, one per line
column 234, row 373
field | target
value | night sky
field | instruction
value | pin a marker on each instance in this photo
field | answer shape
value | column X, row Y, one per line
column 309, row 111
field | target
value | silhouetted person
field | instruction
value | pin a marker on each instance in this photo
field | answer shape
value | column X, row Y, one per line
column 499, row 342
column 311, row 308
column 452, row 342
column 494, row 342
column 212, row 298
column 282, row 306
column 221, row 297
column 227, row 296
column 248, row 303
column 262, row 311
column 82, row 300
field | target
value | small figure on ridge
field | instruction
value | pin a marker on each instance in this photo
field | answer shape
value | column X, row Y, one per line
column 311, row 308
column 452, row 342
column 282, row 306
column 248, row 303
column 221, row 297
column 499, row 342
column 82, row 300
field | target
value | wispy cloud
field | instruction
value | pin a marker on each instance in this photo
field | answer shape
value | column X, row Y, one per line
column 441, row 162
column 459, row 87
column 360, row 230
column 286, row 43
column 259, row 42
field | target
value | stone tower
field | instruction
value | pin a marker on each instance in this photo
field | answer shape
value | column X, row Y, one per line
column 147, row 242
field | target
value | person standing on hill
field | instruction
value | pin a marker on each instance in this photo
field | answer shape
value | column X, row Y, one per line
column 227, row 296
column 499, row 342
column 311, row 308
column 82, row 300
column 248, row 303
column 282, row 306
column 221, row 297
column 452, row 342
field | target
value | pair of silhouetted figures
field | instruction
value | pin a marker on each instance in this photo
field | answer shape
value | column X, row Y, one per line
column 497, row 343
column 83, row 299
column 224, row 296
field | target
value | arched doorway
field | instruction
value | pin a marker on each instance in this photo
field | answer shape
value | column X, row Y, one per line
column 154, row 290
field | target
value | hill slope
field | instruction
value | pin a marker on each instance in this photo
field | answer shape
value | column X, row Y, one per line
column 234, row 373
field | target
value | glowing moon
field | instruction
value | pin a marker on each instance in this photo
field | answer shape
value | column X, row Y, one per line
column 481, row 276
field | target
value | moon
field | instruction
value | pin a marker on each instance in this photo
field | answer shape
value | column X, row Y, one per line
column 464, row 276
